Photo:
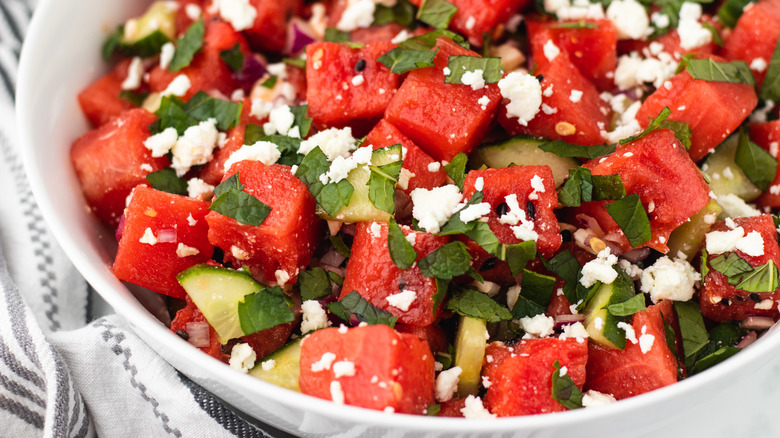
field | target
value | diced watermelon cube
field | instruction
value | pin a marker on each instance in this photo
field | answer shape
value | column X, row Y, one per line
column 755, row 36
column 111, row 160
column 269, row 32
column 477, row 17
column 520, row 376
column 163, row 235
column 767, row 135
column 190, row 314
column 284, row 243
column 100, row 101
column 372, row 273
column 391, row 370
column 443, row 119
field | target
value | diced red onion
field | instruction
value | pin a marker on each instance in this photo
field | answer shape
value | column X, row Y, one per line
column 334, row 227
column 254, row 69
column 349, row 229
column 332, row 258
column 299, row 35
column 199, row 333
column 334, row 269
column 166, row 235
column 562, row 321
column 120, row 229
column 757, row 323
column 591, row 223
column 747, row 340
column 636, row 255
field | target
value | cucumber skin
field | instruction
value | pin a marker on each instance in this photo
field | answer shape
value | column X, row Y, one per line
column 618, row 291
column 523, row 151
column 470, row 345
column 287, row 370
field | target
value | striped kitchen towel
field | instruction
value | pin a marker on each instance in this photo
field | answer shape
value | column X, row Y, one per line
column 62, row 373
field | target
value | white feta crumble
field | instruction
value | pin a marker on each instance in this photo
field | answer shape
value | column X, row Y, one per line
column 281, row 276
column 135, row 74
column 433, row 208
column 199, row 189
column 474, row 409
column 550, row 50
column 166, row 53
column 404, row 177
column 314, row 316
column 402, row 300
column 766, row 304
column 324, row 363
column 336, row 393
column 148, row 238
column 411, row 238
column 734, row 206
column 238, row 253
column 239, row 13
column 179, row 86
column 599, row 269
column 660, row 20
column 146, row 167
column 191, row 220
column 633, row 271
column 525, row 96
column 447, row 383
column 193, row 11
column 195, row 147
column 576, row 96
column 375, row 229
column 752, row 244
column 358, row 14
column 692, row 33
column 334, row 143
column 434, row 166
column 669, row 280
column 540, row 326
column 483, row 102
column 598, row 323
column 470, row 22
column 646, row 341
column 486, row 382
column 242, row 357
column 162, row 143
column 514, row 215
column 758, row 64
column 630, row 333
column 358, row 80
column 474, row 212
column 280, row 121
column 592, row 399
column 268, row 365
column 183, row 250
column 576, row 330
column 262, row 151
column 629, row 18
column 475, row 79
column 343, row 368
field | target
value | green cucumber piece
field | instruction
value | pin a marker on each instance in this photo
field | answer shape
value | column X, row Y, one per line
column 470, row 345
column 360, row 207
column 216, row 292
column 160, row 17
column 608, row 334
column 287, row 370
column 688, row 237
column 523, row 151
column 733, row 180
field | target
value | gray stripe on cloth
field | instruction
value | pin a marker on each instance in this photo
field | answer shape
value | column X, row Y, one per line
column 109, row 336
column 16, row 312
column 19, row 390
column 13, row 363
column 28, row 416
column 62, row 403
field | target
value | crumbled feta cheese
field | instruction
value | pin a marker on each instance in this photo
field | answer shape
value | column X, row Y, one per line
column 334, row 143
column 447, row 383
column 646, row 341
column 239, row 13
column 135, row 74
column 146, row 167
column 474, row 212
column 358, row 14
column 195, row 147
column 718, row 242
column 547, row 109
column 758, row 64
column 669, row 280
column 411, row 238
column 193, row 11
column 242, row 357
column 660, row 20
column 434, row 167
column 752, row 244
column 343, row 368
column 314, row 316
column 191, row 220
column 470, row 22
column 598, row 323
column 199, row 189
column 268, row 365
column 599, row 269
column 483, row 102
column 550, row 50
column 402, row 300
column 281, row 276
column 629, row 18
column 630, row 333
column 183, row 250
column 162, row 143
column 474, row 78
column 166, row 54
column 525, row 96
column 633, row 271
column 576, row 96
column 402, row 36
column 576, row 330
column 537, row 183
column 326, row 360
column 433, row 208
column 238, row 253
column 734, row 206
column 692, row 33
column 766, row 304
column 280, row 121
column 486, row 382
column 358, row 80
column 148, row 238
column 336, row 393
column 579, row 10
column 539, row 326
column 403, row 178
column 263, row 151
column 179, row 86
column 592, row 399
column 475, row 410
column 376, row 230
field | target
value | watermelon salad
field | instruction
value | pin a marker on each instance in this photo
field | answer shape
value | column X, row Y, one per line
column 462, row 208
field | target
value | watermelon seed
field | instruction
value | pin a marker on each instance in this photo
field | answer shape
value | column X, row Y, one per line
column 488, row 265
column 540, row 78
column 530, row 209
column 183, row 334
column 360, row 66
column 502, row 209
column 566, row 236
column 755, row 297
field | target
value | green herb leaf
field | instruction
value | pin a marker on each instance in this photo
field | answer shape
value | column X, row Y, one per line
column 582, row 24
column 446, row 262
column 436, row 13
column 187, row 46
column 456, row 226
column 564, row 390
column 726, row 334
column 716, row 38
column 400, row 60
column 253, row 134
column 630, row 215
column 730, row 265
column 295, row 62
column 334, row 35
column 568, row 150
column 473, row 303
column 288, row 148
column 146, row 47
column 427, row 41
column 165, row 180
column 758, row 165
column 264, row 309
column 608, row 187
column 671, row 339
column 442, row 286
column 692, row 329
column 354, row 304
column 770, row 90
column 518, row 255
column 456, row 169
column 566, row 266
column 111, row 44
column 302, row 119
column 204, row 107
column 402, row 13
column 762, row 279
column 331, row 197
column 681, row 131
column 234, row 58
column 338, row 244
column 133, row 97
column 654, row 124
column 628, row 307
column 713, row 359
column 314, row 284
column 735, row 72
column 433, row 410
column 401, row 251
column 730, row 11
column 381, row 185
column 172, row 115
column 460, row 64
column 231, row 200
column 581, row 187
column 270, row 83
column 536, row 290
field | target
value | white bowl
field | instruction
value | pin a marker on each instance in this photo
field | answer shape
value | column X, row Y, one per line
column 60, row 57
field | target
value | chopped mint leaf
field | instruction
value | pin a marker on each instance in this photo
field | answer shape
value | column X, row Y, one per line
column 758, row 165
column 735, row 72
column 270, row 83
column 287, row 146
column 427, row 41
column 402, row 13
column 314, row 284
column 446, row 262
column 730, row 11
column 770, row 90
column 436, row 13
column 355, row 304
column 582, row 186
column 518, row 255
column 456, row 226
column 694, row 334
column 264, row 309
column 381, row 185
column 460, row 64
column 172, row 115
column 681, row 130
column 165, row 180
column 716, row 38
column 302, row 119
column 111, row 45
column 232, row 201
column 730, row 264
column 762, row 279
column 566, row 266
column 654, row 124
column 564, row 390
column 331, row 197
column 133, row 97
column 630, row 215
column 441, row 292
column 536, row 290
column 608, row 187
column 568, row 150
column 336, row 278
column 456, row 169
column 628, row 307
column 400, row 60
column 433, row 410
column 475, row 304
column 187, row 46
column 333, row 35
column 671, row 338
column 338, row 244
column 713, row 359
column 582, row 24
column 295, row 62
column 146, row 47
column 234, row 58
column 204, row 107
column 401, row 251
column 726, row 334
column 253, row 134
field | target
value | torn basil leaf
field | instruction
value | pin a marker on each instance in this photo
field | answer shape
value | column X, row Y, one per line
column 333, row 35
column 456, row 169
column 381, row 185
column 628, row 307
column 730, row 11
column 401, row 251
column 302, row 119
column 232, row 201
column 735, row 72
column 564, row 390
column 536, row 290
column 681, row 131
column 582, row 186
column 314, row 284
column 758, row 165
column 473, row 303
column 400, row 60
column 187, row 46
column 234, row 58
column 134, row 97
column 762, row 279
column 770, row 90
column 692, row 329
column 568, row 150
column 460, row 64
column 631, row 217
column 166, row 180
column 332, row 197
column 730, row 264
column 436, row 13
column 446, row 262
column 355, row 304
column 264, row 309
column 713, row 359
column 204, row 107
column 654, row 124
column 338, row 244
column 566, row 266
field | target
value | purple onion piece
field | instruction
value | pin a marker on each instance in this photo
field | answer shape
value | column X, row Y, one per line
column 747, row 340
column 757, row 323
column 254, row 69
column 562, row 321
column 636, row 255
column 120, row 229
column 299, row 35
column 198, row 333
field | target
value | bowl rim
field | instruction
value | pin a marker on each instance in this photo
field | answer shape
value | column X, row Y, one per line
column 141, row 320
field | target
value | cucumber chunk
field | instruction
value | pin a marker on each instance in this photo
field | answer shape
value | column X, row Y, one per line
column 470, row 345
column 287, row 369
column 160, row 16
column 723, row 174
column 217, row 292
column 523, row 151
column 605, row 332
column 687, row 238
